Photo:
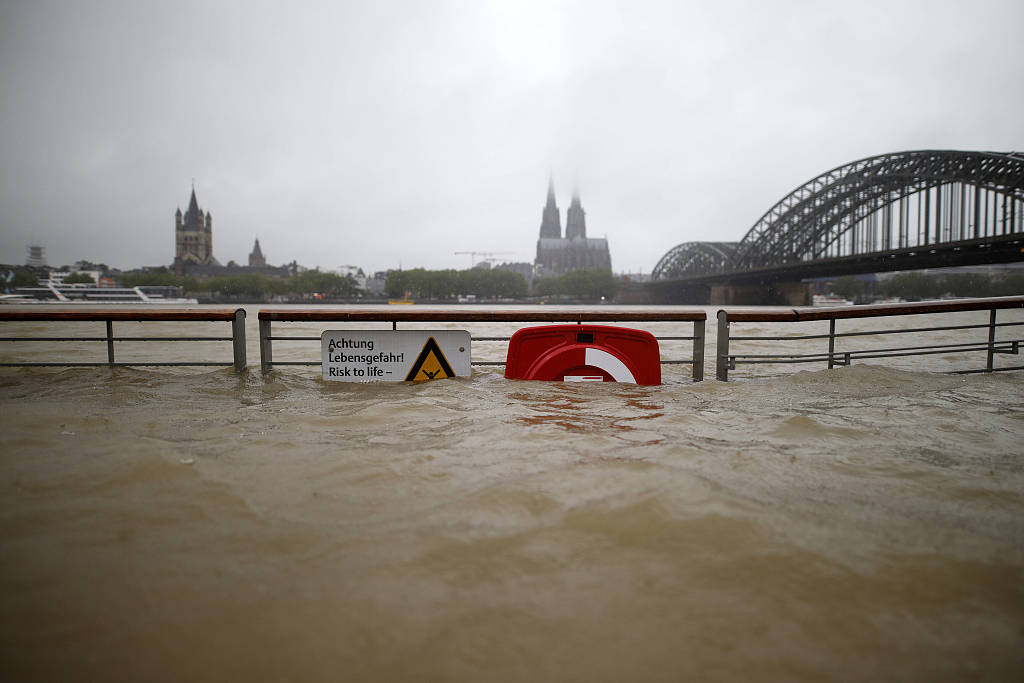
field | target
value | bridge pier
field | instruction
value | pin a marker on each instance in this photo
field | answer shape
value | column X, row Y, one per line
column 671, row 293
column 770, row 294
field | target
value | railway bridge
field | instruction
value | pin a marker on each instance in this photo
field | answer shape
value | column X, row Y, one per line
column 898, row 211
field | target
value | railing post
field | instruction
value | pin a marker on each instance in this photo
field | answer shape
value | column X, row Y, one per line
column 722, row 361
column 698, row 350
column 266, row 350
column 238, row 339
column 991, row 339
column 831, row 343
column 110, row 342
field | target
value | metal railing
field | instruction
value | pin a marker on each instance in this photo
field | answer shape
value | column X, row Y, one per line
column 269, row 316
column 727, row 357
column 236, row 317
column 728, row 360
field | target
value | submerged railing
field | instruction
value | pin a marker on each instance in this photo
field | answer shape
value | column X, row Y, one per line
column 269, row 316
column 236, row 317
column 728, row 360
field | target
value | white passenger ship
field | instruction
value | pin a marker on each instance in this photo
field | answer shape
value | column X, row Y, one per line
column 50, row 293
column 829, row 300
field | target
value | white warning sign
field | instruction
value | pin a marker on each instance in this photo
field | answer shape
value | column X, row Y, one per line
column 394, row 355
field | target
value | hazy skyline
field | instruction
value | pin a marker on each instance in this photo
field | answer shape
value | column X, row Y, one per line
column 397, row 133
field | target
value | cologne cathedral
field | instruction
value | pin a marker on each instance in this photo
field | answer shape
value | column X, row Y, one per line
column 556, row 254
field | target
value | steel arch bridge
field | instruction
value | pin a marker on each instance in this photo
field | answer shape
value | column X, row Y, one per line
column 875, row 206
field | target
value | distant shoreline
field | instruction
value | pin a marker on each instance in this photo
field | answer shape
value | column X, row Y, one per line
column 376, row 301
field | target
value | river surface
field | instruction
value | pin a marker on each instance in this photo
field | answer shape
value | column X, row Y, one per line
column 803, row 524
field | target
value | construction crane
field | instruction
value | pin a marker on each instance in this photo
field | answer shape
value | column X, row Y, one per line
column 488, row 255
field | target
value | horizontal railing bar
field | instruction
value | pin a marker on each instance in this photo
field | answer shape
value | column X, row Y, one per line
column 427, row 315
column 118, row 364
column 289, row 338
column 785, row 357
column 742, row 316
column 104, row 339
column 777, row 360
column 867, row 333
column 852, row 355
column 475, row 362
column 916, row 353
column 52, row 339
column 131, row 315
column 277, row 338
column 1002, row 343
column 156, row 339
column 782, row 338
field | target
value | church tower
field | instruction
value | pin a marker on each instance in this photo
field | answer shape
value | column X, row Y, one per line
column 551, row 221
column 256, row 259
column 193, row 236
column 575, row 219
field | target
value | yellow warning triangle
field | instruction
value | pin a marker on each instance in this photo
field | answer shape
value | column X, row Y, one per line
column 430, row 364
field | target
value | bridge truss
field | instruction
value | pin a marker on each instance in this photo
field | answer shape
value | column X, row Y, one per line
column 876, row 205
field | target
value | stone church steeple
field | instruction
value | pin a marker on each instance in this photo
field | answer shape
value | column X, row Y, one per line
column 193, row 236
column 256, row 259
column 575, row 219
column 551, row 221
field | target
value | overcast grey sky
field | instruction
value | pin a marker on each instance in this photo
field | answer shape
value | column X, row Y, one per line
column 382, row 134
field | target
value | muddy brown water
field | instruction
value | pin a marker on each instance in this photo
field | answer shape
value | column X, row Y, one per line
column 860, row 523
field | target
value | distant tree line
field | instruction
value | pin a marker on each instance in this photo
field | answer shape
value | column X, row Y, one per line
column 248, row 284
column 922, row 286
column 915, row 285
column 578, row 284
column 23, row 277
column 450, row 284
column 419, row 283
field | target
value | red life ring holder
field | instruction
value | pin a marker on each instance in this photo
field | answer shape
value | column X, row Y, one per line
column 584, row 353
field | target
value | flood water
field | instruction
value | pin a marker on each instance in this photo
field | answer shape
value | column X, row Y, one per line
column 165, row 524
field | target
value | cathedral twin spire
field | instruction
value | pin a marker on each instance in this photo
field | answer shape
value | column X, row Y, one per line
column 551, row 221
column 575, row 219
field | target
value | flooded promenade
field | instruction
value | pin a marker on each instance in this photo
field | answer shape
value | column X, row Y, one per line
column 860, row 523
